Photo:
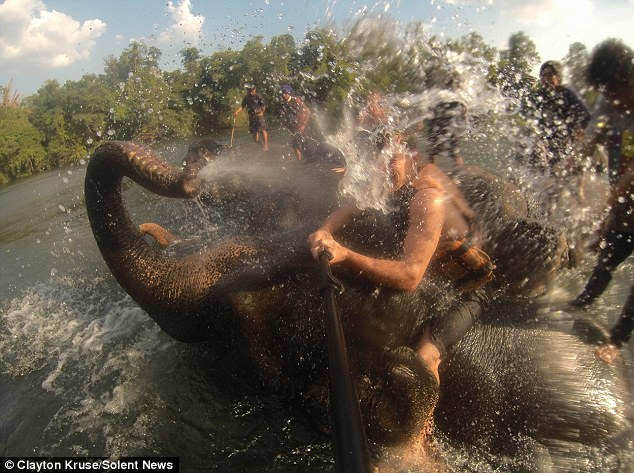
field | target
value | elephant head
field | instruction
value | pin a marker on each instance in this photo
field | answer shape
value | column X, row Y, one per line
column 263, row 289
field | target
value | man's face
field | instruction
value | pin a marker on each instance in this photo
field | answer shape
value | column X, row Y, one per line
column 549, row 78
column 252, row 91
column 286, row 96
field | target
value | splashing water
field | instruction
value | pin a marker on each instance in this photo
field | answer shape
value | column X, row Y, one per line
column 90, row 373
column 405, row 114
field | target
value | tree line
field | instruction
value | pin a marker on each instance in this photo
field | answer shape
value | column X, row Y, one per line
column 133, row 99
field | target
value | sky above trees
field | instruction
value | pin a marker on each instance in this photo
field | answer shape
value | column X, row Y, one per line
column 65, row 39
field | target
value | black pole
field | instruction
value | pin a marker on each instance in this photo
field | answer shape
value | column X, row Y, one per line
column 351, row 445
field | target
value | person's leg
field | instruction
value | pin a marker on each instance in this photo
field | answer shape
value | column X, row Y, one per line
column 253, row 129
column 597, row 284
column 617, row 248
column 622, row 329
column 265, row 140
column 458, row 161
column 297, row 146
column 620, row 332
column 447, row 330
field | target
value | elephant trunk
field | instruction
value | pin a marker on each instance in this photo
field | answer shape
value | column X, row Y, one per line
column 177, row 293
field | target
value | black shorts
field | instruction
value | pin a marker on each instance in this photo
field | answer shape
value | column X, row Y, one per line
column 449, row 328
column 256, row 124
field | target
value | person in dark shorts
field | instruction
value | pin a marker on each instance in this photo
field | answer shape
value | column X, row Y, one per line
column 611, row 70
column 256, row 106
column 295, row 115
column 560, row 116
column 445, row 130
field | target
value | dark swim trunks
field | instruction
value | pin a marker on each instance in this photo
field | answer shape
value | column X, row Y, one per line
column 256, row 124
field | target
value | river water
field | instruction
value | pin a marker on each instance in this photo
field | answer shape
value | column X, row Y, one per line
column 85, row 372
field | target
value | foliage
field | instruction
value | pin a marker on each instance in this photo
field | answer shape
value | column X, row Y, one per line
column 513, row 72
column 133, row 99
column 10, row 98
column 576, row 63
column 21, row 151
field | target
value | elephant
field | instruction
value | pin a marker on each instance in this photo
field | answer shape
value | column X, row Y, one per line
column 523, row 384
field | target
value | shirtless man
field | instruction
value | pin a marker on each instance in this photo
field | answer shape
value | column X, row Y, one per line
column 295, row 115
column 434, row 219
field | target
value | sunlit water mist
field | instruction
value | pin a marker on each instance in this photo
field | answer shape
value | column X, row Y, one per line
column 489, row 132
column 378, row 43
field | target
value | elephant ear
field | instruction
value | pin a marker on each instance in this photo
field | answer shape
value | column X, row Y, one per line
column 528, row 254
column 525, row 248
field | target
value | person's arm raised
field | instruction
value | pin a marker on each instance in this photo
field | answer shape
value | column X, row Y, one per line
column 405, row 274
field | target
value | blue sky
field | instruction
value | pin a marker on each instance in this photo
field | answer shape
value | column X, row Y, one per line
column 64, row 39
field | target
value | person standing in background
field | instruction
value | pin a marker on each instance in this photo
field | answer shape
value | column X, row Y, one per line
column 256, row 106
column 295, row 115
column 560, row 117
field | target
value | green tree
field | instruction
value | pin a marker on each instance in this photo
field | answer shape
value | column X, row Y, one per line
column 522, row 52
column 184, row 84
column 280, row 52
column 87, row 108
column 21, row 151
column 10, row 98
column 49, row 113
column 324, row 72
column 213, row 95
column 576, row 63
column 513, row 71
column 386, row 58
column 475, row 47
column 144, row 108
